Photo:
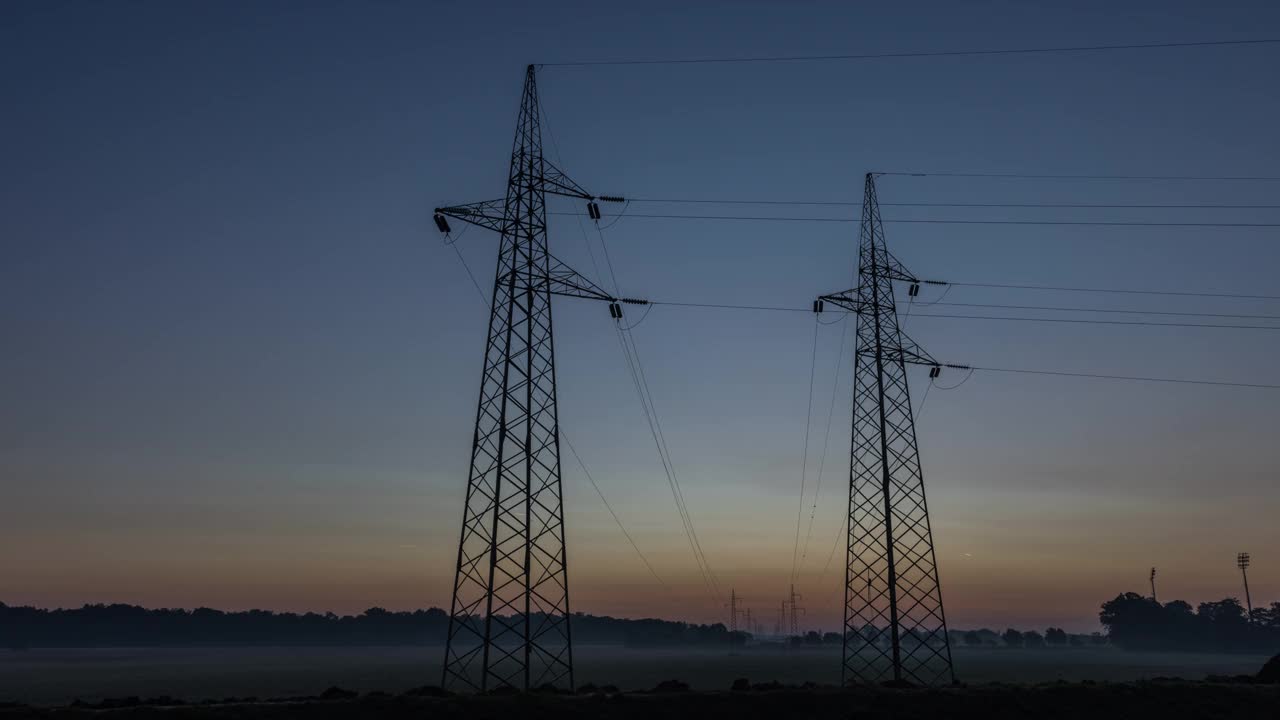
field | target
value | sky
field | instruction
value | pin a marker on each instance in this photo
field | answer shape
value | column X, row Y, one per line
column 241, row 366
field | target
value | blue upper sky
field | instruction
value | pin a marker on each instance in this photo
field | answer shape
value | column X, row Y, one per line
column 240, row 366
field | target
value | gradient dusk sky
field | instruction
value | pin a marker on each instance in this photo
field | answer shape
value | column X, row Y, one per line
column 240, row 367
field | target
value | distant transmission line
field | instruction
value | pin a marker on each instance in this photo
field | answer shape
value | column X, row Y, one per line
column 916, row 54
column 1044, row 176
column 946, row 221
column 1063, row 205
column 1136, row 378
column 1092, row 321
column 1121, row 291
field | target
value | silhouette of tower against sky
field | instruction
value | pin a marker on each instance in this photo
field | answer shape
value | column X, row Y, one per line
column 894, row 625
column 509, row 618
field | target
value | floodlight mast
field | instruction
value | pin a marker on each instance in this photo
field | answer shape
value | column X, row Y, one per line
column 1242, row 561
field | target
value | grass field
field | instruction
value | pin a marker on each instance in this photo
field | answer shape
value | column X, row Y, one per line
column 57, row 676
column 1178, row 700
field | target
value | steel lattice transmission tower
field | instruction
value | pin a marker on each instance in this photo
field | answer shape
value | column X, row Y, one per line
column 509, row 620
column 894, row 625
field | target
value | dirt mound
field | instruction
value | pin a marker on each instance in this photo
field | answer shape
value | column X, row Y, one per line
column 1270, row 673
column 671, row 686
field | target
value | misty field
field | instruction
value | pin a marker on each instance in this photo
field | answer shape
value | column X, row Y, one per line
column 56, row 676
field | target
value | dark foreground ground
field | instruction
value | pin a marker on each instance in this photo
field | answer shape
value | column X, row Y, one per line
column 59, row 676
column 1167, row 700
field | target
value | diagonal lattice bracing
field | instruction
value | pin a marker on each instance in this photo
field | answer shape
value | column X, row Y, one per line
column 895, row 628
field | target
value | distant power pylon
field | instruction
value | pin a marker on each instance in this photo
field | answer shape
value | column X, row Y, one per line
column 1153, row 585
column 1242, row 561
column 896, row 629
column 509, row 619
column 795, row 610
column 733, row 610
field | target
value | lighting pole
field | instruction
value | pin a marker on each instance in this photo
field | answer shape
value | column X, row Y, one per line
column 1153, row 585
column 1242, row 561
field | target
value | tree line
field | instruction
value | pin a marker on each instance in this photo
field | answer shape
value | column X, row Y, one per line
column 133, row 626
column 1136, row 622
column 1133, row 622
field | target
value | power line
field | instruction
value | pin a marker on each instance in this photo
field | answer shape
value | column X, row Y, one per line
column 1117, row 223
column 1222, row 326
column 779, row 308
column 946, row 221
column 470, row 274
column 804, row 460
column 631, row 354
column 834, row 203
column 826, row 438
column 1136, row 378
column 916, row 54
column 1066, row 320
column 660, row 440
column 1124, row 291
column 725, row 306
column 632, row 358
column 1105, row 310
column 609, row 507
column 1043, row 176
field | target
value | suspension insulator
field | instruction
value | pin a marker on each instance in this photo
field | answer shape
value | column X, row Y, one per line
column 593, row 211
column 442, row 223
column 914, row 290
column 615, row 311
column 612, row 198
column 935, row 371
column 817, row 306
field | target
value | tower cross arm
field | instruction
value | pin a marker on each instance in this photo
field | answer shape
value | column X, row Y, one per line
column 555, row 182
column 847, row 299
column 895, row 270
column 910, row 353
column 486, row 214
column 565, row 281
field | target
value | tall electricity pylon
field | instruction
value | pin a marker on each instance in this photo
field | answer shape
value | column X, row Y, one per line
column 509, row 619
column 896, row 629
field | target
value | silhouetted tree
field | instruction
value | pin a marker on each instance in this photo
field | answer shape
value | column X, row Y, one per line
column 1055, row 636
column 1032, row 639
column 972, row 638
column 832, row 638
column 1270, row 617
column 1139, row 623
column 1012, row 638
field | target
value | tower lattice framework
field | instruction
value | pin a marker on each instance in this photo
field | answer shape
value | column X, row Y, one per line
column 509, row 619
column 894, row 624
